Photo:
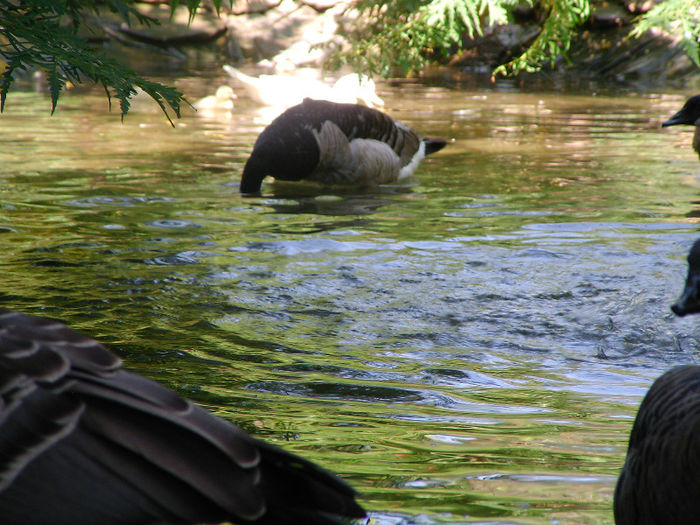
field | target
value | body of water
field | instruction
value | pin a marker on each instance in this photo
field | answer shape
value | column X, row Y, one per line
column 469, row 346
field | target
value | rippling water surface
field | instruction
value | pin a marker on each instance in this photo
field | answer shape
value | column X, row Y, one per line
column 467, row 347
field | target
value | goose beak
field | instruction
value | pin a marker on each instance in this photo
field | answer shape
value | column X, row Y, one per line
column 678, row 118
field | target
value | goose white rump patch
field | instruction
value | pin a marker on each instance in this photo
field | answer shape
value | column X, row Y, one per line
column 409, row 168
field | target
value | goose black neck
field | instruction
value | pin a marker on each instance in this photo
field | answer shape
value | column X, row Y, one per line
column 252, row 177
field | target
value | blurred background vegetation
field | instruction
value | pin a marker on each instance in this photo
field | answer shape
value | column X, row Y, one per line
column 392, row 38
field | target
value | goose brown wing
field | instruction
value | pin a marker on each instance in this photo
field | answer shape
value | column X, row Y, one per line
column 361, row 122
column 63, row 391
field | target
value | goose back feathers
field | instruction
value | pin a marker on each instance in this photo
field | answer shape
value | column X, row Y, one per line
column 659, row 482
column 84, row 442
column 335, row 143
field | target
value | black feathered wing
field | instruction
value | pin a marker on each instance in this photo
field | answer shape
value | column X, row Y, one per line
column 82, row 441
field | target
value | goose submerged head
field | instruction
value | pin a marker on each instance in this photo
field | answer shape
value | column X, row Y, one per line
column 335, row 144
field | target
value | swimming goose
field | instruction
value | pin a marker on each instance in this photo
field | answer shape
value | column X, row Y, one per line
column 659, row 483
column 331, row 143
column 689, row 114
column 83, row 442
column 286, row 91
column 222, row 100
column 689, row 301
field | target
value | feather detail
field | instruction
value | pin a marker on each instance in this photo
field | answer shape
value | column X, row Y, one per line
column 83, row 442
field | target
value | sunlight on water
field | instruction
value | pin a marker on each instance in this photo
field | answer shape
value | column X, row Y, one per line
column 467, row 347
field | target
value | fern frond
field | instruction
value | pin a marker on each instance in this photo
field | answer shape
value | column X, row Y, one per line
column 406, row 33
column 35, row 36
column 554, row 40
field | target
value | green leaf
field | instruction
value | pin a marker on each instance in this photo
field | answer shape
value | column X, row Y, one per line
column 35, row 36
column 408, row 33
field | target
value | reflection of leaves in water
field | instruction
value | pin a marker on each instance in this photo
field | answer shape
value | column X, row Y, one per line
column 310, row 198
column 338, row 391
column 355, row 205
column 441, row 358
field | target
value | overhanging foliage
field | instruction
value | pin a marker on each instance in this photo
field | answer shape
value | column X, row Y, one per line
column 404, row 34
column 554, row 40
column 42, row 35
column 677, row 17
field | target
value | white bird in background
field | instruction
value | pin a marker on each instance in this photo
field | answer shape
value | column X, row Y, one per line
column 359, row 89
column 285, row 91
